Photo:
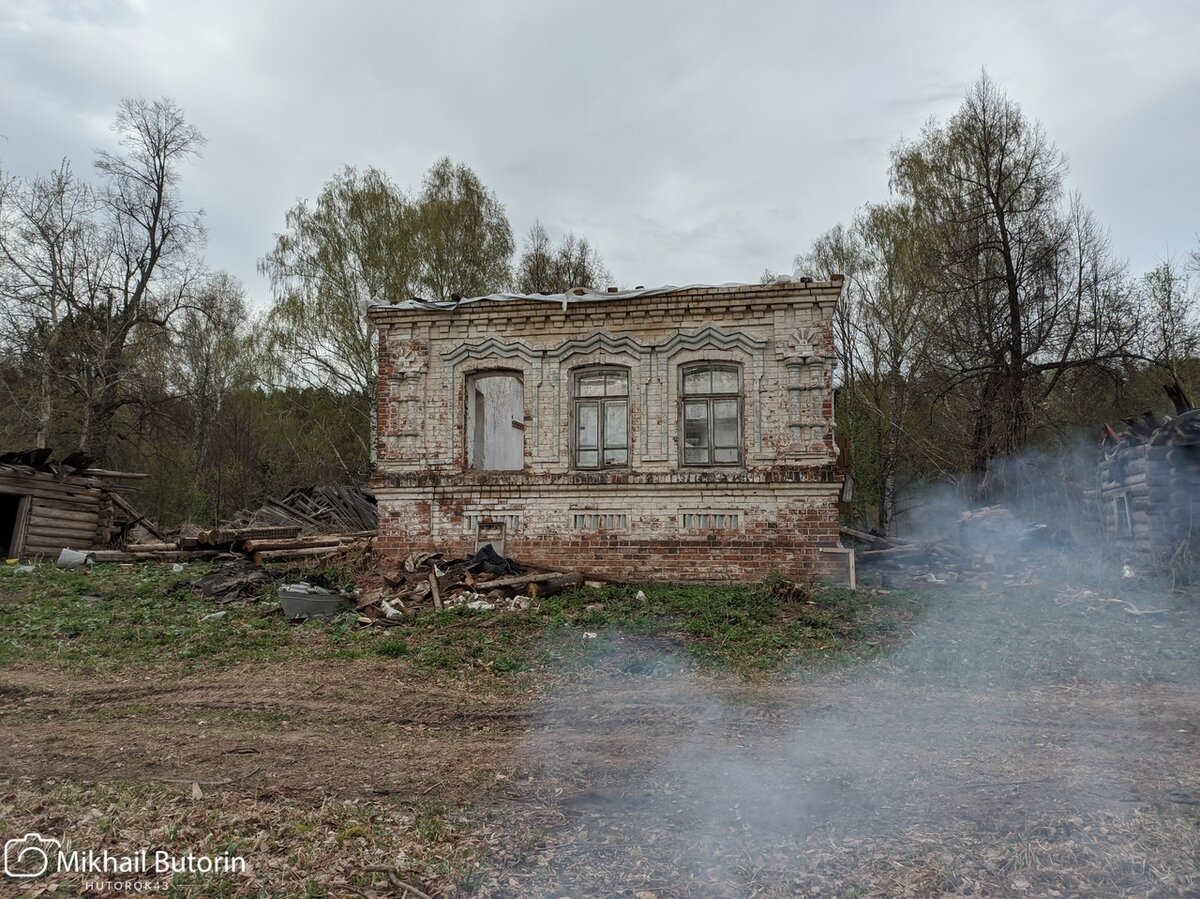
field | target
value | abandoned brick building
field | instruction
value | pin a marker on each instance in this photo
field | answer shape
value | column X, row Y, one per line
column 670, row 434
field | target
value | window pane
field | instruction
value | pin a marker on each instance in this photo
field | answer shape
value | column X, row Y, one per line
column 699, row 381
column 617, row 383
column 587, row 458
column 587, row 433
column 590, row 385
column 724, row 380
column 616, row 456
column 695, row 432
column 725, row 423
column 615, row 424
column 726, row 455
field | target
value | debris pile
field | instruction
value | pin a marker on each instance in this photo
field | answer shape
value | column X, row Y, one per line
column 234, row 582
column 983, row 540
column 486, row 581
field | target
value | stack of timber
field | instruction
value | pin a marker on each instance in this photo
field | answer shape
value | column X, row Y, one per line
column 50, row 506
column 316, row 510
column 1149, row 482
column 274, row 543
column 308, row 523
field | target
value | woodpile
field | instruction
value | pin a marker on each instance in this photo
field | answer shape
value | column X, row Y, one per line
column 259, row 544
column 427, row 581
column 1149, row 482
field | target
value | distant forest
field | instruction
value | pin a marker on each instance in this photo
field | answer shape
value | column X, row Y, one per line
column 986, row 327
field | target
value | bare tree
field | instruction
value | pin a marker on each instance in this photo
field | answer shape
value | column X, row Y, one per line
column 1027, row 290
column 1172, row 314
column 545, row 268
column 149, row 252
column 43, row 223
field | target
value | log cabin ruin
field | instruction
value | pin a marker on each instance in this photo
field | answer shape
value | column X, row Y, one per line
column 1149, row 485
column 668, row 434
column 46, row 506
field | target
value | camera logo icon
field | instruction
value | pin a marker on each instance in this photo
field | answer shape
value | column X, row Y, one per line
column 29, row 856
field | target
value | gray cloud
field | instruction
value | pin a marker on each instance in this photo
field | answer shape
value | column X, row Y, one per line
column 690, row 141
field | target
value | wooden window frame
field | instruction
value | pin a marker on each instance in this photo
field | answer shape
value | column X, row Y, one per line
column 709, row 398
column 577, row 375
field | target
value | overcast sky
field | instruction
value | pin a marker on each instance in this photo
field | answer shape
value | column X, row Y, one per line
column 691, row 141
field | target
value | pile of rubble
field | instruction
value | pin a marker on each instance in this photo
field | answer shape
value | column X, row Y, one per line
column 984, row 540
column 486, row 581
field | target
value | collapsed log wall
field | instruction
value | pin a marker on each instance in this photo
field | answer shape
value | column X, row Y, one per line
column 1149, row 497
column 56, row 511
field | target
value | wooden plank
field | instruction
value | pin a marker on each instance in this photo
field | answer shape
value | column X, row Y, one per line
column 17, row 543
column 136, row 518
column 303, row 542
column 519, row 580
column 59, row 514
column 313, row 552
column 74, row 539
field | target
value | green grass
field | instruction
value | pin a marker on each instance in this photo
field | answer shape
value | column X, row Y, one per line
column 106, row 618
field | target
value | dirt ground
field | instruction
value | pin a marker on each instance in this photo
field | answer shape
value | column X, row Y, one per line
column 988, row 757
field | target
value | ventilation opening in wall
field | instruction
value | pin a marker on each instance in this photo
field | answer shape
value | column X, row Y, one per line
column 472, row 520
column 490, row 533
column 707, row 521
column 599, row 521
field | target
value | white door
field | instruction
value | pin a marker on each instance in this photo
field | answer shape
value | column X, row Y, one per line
column 495, row 422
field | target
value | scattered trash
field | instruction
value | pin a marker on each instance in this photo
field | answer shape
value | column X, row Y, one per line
column 983, row 538
column 215, row 616
column 390, row 611
column 233, row 582
column 641, row 597
column 72, row 559
column 177, row 567
column 590, row 635
column 24, row 569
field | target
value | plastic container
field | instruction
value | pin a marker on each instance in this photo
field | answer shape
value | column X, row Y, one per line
column 306, row 601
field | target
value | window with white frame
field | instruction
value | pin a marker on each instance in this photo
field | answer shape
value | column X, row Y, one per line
column 602, row 418
column 712, row 414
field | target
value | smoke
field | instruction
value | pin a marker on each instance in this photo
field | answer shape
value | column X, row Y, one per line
column 1033, row 730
